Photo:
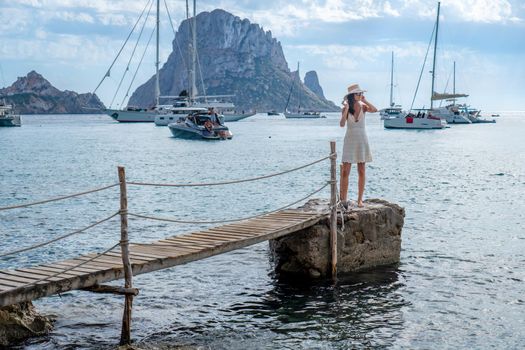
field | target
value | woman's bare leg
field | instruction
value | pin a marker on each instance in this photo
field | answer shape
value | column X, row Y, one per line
column 360, row 183
column 343, row 186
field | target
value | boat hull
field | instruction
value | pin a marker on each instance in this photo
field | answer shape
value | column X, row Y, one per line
column 414, row 123
column 132, row 116
column 302, row 116
column 236, row 117
column 182, row 132
column 11, row 121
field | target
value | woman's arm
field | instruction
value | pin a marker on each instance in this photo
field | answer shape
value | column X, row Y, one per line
column 368, row 106
column 344, row 116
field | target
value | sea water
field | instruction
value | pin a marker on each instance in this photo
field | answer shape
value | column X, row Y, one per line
column 460, row 282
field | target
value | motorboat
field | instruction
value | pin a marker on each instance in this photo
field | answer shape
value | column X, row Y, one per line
column 415, row 121
column 172, row 115
column 200, row 126
column 273, row 113
column 7, row 117
column 392, row 112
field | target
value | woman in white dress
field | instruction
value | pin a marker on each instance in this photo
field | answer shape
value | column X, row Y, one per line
column 355, row 148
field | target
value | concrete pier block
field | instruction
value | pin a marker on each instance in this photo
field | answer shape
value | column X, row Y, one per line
column 371, row 237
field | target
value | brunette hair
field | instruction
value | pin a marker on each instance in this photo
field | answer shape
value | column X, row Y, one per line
column 350, row 99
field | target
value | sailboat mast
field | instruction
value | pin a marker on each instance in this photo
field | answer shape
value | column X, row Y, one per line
column 194, row 52
column 434, row 61
column 454, row 80
column 392, row 82
column 157, row 84
column 299, row 90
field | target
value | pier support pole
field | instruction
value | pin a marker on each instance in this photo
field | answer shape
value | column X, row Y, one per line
column 333, row 207
column 125, row 336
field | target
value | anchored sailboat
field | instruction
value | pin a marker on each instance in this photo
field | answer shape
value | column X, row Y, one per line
column 298, row 114
column 393, row 110
column 424, row 119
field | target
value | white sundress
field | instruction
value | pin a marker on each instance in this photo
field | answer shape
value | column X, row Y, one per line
column 355, row 147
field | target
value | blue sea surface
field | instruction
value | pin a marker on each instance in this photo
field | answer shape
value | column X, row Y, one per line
column 460, row 282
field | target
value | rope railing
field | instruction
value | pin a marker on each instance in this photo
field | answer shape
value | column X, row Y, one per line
column 58, row 238
column 231, row 181
column 72, row 267
column 229, row 220
column 58, row 198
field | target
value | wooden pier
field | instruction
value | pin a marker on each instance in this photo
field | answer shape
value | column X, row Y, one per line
column 126, row 259
column 26, row 284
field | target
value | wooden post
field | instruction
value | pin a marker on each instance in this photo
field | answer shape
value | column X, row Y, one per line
column 333, row 207
column 125, row 336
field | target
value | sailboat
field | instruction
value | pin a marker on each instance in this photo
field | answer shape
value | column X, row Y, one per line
column 424, row 119
column 132, row 114
column 393, row 110
column 298, row 114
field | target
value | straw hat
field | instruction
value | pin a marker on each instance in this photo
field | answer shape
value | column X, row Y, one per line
column 354, row 89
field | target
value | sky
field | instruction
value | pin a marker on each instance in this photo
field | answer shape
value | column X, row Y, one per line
column 72, row 44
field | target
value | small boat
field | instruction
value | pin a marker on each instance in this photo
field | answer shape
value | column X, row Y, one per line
column 495, row 115
column 272, row 113
column 7, row 118
column 303, row 115
column 200, row 126
column 415, row 121
column 174, row 114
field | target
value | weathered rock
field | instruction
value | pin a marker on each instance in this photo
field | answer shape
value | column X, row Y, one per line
column 33, row 94
column 311, row 81
column 21, row 321
column 371, row 237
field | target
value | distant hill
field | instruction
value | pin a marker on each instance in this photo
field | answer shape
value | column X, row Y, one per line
column 33, row 94
column 236, row 57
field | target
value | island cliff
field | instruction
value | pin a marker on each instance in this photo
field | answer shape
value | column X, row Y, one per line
column 33, row 94
column 236, row 58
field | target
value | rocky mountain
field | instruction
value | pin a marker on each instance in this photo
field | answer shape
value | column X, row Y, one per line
column 312, row 82
column 236, row 58
column 33, row 94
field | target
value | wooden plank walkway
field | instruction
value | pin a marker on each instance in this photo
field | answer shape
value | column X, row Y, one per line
column 26, row 284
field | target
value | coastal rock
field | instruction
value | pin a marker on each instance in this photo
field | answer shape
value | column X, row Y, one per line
column 312, row 82
column 33, row 94
column 21, row 321
column 236, row 58
column 371, row 237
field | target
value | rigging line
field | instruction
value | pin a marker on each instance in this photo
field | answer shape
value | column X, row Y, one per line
column 59, row 238
column 120, row 51
column 132, row 55
column 140, row 62
column 230, row 220
column 228, row 182
column 423, row 67
column 71, row 268
column 175, row 36
column 58, row 198
column 200, row 73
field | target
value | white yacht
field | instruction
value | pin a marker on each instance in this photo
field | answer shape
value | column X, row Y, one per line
column 173, row 114
column 415, row 121
column 7, row 117
column 223, row 105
